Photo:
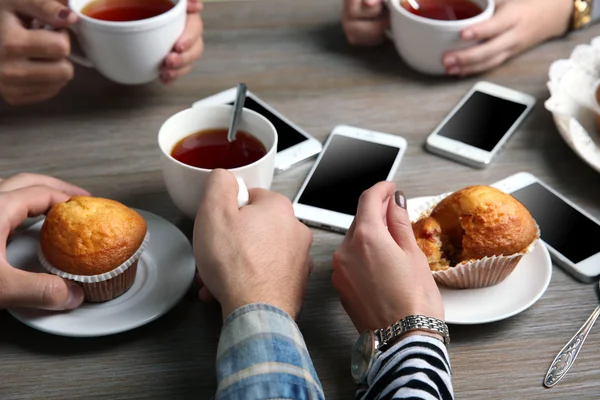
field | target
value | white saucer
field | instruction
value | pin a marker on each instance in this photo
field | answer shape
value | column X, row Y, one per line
column 523, row 287
column 165, row 272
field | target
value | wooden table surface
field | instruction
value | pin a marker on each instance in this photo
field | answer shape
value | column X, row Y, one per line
column 293, row 54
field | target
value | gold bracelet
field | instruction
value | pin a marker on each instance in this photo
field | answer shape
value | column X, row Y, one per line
column 582, row 14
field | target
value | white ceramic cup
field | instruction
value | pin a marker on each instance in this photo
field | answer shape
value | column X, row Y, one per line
column 128, row 52
column 422, row 42
column 185, row 183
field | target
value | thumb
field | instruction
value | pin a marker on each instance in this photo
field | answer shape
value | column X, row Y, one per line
column 51, row 12
column 398, row 221
column 220, row 194
column 20, row 288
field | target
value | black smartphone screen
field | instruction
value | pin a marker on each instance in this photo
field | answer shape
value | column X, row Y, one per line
column 565, row 229
column 348, row 167
column 286, row 135
column 482, row 120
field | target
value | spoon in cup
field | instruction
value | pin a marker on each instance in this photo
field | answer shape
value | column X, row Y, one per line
column 413, row 4
column 240, row 99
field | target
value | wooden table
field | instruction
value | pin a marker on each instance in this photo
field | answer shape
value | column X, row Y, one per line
column 293, row 54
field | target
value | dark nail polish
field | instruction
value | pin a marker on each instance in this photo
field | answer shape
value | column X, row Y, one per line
column 64, row 13
column 400, row 199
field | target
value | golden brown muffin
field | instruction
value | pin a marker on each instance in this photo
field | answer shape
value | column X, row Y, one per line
column 91, row 235
column 428, row 234
column 482, row 221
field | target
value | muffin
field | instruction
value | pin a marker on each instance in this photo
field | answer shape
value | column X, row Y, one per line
column 475, row 237
column 96, row 242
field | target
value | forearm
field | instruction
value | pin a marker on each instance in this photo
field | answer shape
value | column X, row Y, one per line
column 418, row 367
column 262, row 355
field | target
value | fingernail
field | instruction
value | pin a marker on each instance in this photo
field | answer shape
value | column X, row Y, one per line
column 173, row 61
column 453, row 71
column 400, row 199
column 64, row 13
column 370, row 3
column 449, row 61
column 468, row 34
column 76, row 296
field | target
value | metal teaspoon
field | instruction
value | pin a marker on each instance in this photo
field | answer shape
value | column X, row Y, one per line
column 240, row 99
column 413, row 4
column 566, row 356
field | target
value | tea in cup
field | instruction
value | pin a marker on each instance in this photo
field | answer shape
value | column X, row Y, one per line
column 422, row 36
column 193, row 142
column 127, row 40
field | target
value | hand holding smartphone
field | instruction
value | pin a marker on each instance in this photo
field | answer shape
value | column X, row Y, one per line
column 571, row 234
column 480, row 124
column 352, row 161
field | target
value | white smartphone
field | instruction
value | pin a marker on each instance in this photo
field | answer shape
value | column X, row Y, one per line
column 571, row 234
column 294, row 144
column 352, row 161
column 480, row 124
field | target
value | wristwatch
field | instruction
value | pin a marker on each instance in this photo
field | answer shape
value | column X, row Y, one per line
column 370, row 343
column 582, row 14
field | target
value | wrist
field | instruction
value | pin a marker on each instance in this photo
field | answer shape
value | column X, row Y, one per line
column 229, row 307
column 560, row 19
column 415, row 332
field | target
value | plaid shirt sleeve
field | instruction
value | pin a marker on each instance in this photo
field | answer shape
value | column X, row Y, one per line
column 262, row 355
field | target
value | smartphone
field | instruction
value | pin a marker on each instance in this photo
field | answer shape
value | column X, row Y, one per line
column 352, row 161
column 294, row 144
column 480, row 124
column 571, row 234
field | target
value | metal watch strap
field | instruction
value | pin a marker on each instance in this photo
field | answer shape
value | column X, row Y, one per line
column 582, row 14
column 411, row 323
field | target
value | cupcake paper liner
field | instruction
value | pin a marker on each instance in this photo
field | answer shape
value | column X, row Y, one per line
column 106, row 286
column 470, row 274
column 97, row 292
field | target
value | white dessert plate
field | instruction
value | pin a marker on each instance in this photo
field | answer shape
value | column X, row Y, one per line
column 165, row 272
column 519, row 291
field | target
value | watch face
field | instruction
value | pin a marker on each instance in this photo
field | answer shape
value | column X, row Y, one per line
column 362, row 356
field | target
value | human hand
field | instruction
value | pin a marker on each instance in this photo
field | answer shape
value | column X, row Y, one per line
column 30, row 195
column 34, row 64
column 365, row 21
column 189, row 46
column 255, row 254
column 516, row 26
column 379, row 272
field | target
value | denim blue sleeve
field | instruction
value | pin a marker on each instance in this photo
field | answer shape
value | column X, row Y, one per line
column 262, row 355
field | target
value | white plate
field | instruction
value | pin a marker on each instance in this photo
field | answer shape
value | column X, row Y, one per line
column 572, row 84
column 519, row 291
column 165, row 272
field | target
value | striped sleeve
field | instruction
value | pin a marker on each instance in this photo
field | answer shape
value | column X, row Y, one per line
column 262, row 355
column 418, row 367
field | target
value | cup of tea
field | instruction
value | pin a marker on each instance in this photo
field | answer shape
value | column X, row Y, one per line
column 423, row 35
column 127, row 40
column 193, row 142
